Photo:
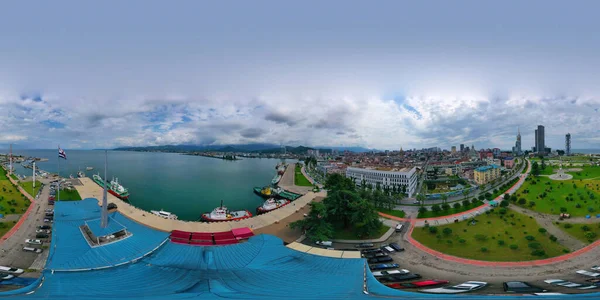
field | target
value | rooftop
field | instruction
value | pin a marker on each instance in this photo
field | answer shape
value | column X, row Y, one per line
column 486, row 168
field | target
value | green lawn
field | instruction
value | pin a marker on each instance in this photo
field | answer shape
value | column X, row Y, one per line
column 482, row 240
column 27, row 186
column 3, row 174
column 577, row 230
column 11, row 200
column 340, row 234
column 451, row 211
column 393, row 212
column 72, row 195
column 526, row 165
column 577, row 197
column 299, row 178
column 14, row 177
column 586, row 173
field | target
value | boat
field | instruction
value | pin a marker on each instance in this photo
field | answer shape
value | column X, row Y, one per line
column 114, row 187
column 281, row 168
column 272, row 204
column 276, row 179
column 221, row 213
column 265, row 192
column 71, row 176
column 89, row 168
column 80, row 174
column 164, row 214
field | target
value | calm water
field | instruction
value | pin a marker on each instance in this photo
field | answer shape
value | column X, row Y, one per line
column 182, row 184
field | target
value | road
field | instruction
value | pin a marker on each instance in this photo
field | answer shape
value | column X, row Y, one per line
column 11, row 249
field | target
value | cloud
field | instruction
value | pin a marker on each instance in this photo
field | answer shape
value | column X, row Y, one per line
column 252, row 132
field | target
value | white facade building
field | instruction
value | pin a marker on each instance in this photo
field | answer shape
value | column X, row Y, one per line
column 399, row 177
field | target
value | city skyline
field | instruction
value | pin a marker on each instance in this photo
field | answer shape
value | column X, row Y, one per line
column 359, row 77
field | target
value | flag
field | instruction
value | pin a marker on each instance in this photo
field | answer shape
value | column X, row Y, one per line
column 61, row 153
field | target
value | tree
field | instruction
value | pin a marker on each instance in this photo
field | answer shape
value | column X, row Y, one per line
column 422, row 209
column 364, row 218
column 315, row 225
column 466, row 202
column 421, row 199
column 535, row 169
column 339, row 182
column 338, row 204
column 447, row 231
column 445, row 206
column 456, row 205
column 444, row 198
column 436, row 208
column 465, row 193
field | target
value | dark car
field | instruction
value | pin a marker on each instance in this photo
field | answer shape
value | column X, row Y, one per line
column 396, row 247
column 111, row 206
column 45, row 227
column 402, row 277
column 382, row 259
column 521, row 287
column 41, row 236
column 365, row 245
column 374, row 254
column 49, row 214
column 384, row 266
column 370, row 250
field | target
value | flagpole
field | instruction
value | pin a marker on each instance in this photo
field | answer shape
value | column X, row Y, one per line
column 104, row 214
column 58, row 188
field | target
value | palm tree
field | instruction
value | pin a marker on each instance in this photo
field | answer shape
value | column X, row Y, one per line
column 421, row 198
column 444, row 198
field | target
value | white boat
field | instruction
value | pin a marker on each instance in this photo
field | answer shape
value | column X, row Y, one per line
column 272, row 204
column 221, row 213
column 80, row 174
column 89, row 168
column 164, row 214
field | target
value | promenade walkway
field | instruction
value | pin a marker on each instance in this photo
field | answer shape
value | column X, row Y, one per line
column 89, row 189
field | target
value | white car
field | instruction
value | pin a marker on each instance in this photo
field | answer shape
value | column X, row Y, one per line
column 42, row 231
column 461, row 288
column 391, row 272
column 588, row 273
column 33, row 242
column 388, row 249
column 10, row 270
column 595, row 268
column 6, row 276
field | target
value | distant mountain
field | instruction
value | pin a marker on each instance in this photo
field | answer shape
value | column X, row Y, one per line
column 351, row 149
column 257, row 148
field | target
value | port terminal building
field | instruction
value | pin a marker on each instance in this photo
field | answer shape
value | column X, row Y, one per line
column 385, row 177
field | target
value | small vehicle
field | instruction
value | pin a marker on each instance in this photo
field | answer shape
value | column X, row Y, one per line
column 595, row 268
column 51, row 198
column 364, row 245
column 391, row 272
column 324, row 243
column 31, row 249
column 49, row 210
column 588, row 273
column 41, row 236
column 50, row 214
column 10, row 270
column 111, row 206
column 521, row 287
column 374, row 254
column 43, row 231
column 388, row 249
column 48, row 221
column 33, row 242
column 382, row 259
column 416, row 284
column 456, row 289
column 45, row 227
column 384, row 266
column 416, row 202
column 398, row 227
column 398, row 278
column 370, row 250
column 6, row 276
column 396, row 247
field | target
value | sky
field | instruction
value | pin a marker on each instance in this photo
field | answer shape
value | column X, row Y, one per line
column 383, row 75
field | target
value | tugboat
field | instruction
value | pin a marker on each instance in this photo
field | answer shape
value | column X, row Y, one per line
column 281, row 168
column 113, row 187
column 221, row 213
column 164, row 214
column 265, row 192
column 272, row 204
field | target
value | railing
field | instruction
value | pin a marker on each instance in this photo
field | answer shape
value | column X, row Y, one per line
column 365, row 288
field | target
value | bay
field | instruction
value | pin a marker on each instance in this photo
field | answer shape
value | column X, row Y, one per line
column 185, row 185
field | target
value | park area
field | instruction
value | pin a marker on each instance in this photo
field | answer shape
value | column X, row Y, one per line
column 578, row 197
column 69, row 195
column 500, row 234
column 11, row 202
column 587, row 233
column 28, row 187
column 299, row 178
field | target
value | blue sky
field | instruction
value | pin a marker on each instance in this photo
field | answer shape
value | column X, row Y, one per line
column 340, row 73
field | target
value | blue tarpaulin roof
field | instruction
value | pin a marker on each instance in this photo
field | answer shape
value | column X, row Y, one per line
column 98, row 231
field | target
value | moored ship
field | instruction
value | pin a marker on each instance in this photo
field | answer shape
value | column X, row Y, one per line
column 272, row 204
column 276, row 179
column 164, row 214
column 221, row 214
column 114, row 187
column 265, row 192
column 281, row 168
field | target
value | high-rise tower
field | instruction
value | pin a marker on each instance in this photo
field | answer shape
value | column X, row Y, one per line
column 517, row 149
column 540, row 144
column 568, row 144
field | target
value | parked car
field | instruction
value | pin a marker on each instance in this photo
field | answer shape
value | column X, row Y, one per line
column 568, row 284
column 43, row 231
column 396, row 247
column 399, row 227
column 48, row 221
column 416, row 284
column 6, row 276
column 383, row 259
column 456, row 289
column 45, row 227
column 384, row 266
column 388, row 249
column 324, row 243
column 370, row 250
column 31, row 249
column 111, row 206
column 588, row 273
column 33, row 242
column 374, row 254
column 49, row 210
column 398, row 278
column 391, row 272
column 11, row 270
column 521, row 287
column 49, row 214
column 41, row 236
column 595, row 268
column 364, row 245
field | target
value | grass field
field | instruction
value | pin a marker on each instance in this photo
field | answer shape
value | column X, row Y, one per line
column 72, row 195
column 587, row 233
column 299, row 178
column 494, row 237
column 576, row 197
column 27, row 186
column 11, row 201
column 451, row 211
column 393, row 212
column 339, row 234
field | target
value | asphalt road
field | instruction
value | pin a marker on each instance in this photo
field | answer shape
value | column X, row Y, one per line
column 11, row 250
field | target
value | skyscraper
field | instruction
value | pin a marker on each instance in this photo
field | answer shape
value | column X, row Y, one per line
column 540, row 144
column 517, row 148
column 568, row 144
column 462, row 147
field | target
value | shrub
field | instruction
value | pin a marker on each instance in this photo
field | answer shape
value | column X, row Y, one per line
column 514, row 247
column 449, row 242
column 522, row 201
column 466, row 202
column 456, row 205
column 563, row 209
column 422, row 209
column 531, row 203
column 502, row 211
column 435, row 208
column 433, row 230
column 585, row 228
column 530, row 238
column 538, row 252
column 590, row 235
column 484, row 249
column 567, row 225
column 447, row 231
column 542, row 230
column 534, row 245
column 481, row 237
column 462, row 241
column 504, row 203
column 500, row 242
column 553, row 238
column 445, row 206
